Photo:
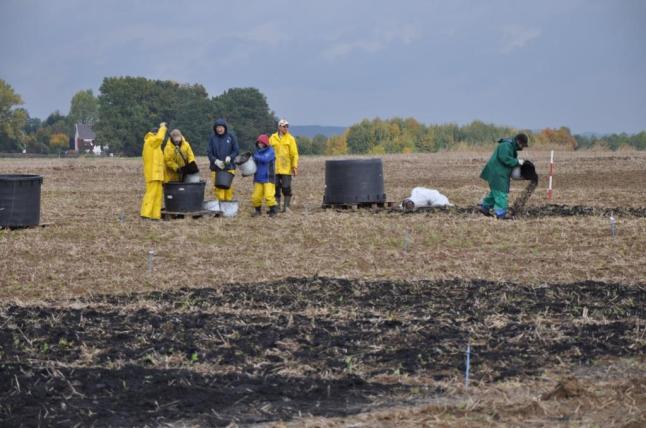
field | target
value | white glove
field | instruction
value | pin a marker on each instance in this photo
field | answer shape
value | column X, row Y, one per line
column 162, row 125
column 219, row 163
column 227, row 159
column 521, row 161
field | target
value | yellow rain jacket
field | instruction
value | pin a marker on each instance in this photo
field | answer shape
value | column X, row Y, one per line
column 153, row 156
column 286, row 152
column 154, row 174
column 175, row 157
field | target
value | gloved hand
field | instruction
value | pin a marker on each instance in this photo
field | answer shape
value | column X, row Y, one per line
column 227, row 159
column 162, row 124
column 521, row 161
column 212, row 166
column 219, row 163
column 191, row 168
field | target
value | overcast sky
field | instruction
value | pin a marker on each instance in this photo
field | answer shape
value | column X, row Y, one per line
column 527, row 64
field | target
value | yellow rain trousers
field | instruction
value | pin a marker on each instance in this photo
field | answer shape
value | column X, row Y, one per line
column 263, row 190
column 286, row 152
column 153, row 159
column 174, row 161
column 222, row 194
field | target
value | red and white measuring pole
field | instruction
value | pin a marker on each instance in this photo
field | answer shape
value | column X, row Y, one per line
column 549, row 186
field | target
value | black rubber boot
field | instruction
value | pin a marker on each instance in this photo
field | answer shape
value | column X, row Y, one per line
column 288, row 199
column 257, row 211
column 272, row 211
column 484, row 210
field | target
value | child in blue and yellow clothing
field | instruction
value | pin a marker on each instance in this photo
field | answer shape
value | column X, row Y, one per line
column 263, row 179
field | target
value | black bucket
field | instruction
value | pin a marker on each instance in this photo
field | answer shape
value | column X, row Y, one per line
column 20, row 200
column 355, row 181
column 183, row 197
column 223, row 179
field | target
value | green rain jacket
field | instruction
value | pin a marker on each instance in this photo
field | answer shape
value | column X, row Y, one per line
column 498, row 170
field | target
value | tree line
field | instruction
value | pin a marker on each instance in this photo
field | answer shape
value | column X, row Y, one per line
column 127, row 107
column 399, row 135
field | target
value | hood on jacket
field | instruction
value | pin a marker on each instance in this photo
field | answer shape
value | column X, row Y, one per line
column 220, row 122
column 264, row 139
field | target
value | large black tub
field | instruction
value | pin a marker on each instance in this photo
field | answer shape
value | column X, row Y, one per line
column 356, row 181
column 20, row 200
column 183, row 197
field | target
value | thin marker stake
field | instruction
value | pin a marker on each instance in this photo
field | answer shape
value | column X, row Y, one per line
column 549, row 187
column 151, row 253
column 613, row 225
column 468, row 365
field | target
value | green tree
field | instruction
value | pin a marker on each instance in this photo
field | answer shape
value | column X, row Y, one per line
column 12, row 119
column 247, row 114
column 478, row 132
column 130, row 106
column 304, row 144
column 192, row 115
column 360, row 137
column 311, row 146
column 318, row 144
column 84, row 108
column 58, row 142
column 638, row 141
column 441, row 137
column 337, row 145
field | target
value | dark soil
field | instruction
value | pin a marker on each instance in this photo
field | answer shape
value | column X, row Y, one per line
column 550, row 210
column 261, row 352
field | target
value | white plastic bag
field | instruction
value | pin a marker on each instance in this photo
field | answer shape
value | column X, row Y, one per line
column 424, row 197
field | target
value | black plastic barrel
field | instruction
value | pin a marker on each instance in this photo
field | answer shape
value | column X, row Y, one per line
column 20, row 200
column 355, row 181
column 183, row 197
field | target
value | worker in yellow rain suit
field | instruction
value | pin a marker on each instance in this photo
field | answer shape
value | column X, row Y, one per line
column 286, row 162
column 153, row 158
column 178, row 158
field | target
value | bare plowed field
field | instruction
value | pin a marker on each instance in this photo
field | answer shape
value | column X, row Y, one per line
column 326, row 317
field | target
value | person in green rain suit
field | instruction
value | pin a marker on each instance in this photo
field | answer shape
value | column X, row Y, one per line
column 497, row 172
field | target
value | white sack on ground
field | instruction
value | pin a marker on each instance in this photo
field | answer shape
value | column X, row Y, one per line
column 424, row 197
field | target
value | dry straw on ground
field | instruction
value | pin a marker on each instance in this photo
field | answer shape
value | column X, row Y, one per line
column 86, row 248
column 218, row 318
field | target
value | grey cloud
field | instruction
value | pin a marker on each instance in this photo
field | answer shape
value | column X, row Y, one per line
column 515, row 36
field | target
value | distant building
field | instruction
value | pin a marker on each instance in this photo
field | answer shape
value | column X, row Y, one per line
column 84, row 139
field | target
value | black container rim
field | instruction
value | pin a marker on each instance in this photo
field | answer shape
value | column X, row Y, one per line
column 21, row 177
column 354, row 160
column 181, row 183
column 242, row 158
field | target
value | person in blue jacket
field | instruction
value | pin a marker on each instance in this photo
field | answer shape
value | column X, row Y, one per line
column 497, row 172
column 222, row 150
column 263, row 179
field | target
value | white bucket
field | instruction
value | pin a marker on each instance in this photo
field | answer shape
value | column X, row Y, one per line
column 515, row 174
column 229, row 208
column 245, row 162
column 211, row 205
column 192, row 178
